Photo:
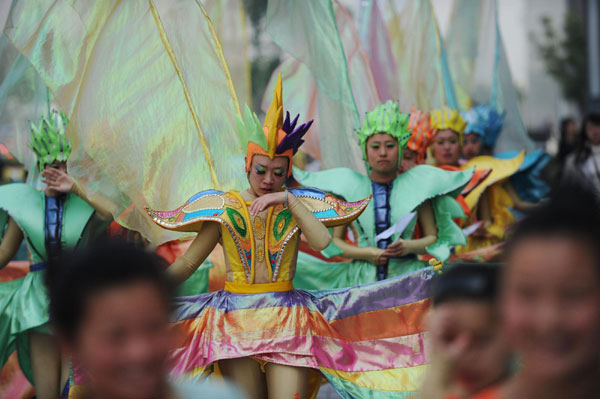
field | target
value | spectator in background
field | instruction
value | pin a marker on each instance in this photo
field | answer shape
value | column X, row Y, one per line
column 550, row 300
column 468, row 350
column 566, row 145
column 583, row 165
column 111, row 307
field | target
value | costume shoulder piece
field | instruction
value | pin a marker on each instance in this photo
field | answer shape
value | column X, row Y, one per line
column 209, row 205
column 330, row 210
column 501, row 169
column 227, row 208
column 25, row 205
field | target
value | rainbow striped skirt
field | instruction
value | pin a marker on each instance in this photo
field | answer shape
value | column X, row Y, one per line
column 368, row 341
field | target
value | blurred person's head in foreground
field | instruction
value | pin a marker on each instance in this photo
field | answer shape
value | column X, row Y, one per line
column 464, row 326
column 110, row 305
column 550, row 298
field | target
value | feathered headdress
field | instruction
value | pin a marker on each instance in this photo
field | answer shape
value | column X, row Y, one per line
column 422, row 132
column 446, row 118
column 485, row 121
column 48, row 140
column 278, row 137
column 385, row 118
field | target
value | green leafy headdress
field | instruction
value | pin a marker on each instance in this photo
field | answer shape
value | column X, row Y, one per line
column 385, row 118
column 48, row 140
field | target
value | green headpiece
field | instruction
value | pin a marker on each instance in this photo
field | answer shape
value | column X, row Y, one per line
column 48, row 140
column 385, row 118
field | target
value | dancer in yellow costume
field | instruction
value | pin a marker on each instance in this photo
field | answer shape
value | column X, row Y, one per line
column 264, row 334
column 489, row 201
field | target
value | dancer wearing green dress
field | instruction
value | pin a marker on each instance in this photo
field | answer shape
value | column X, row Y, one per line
column 58, row 218
column 417, row 203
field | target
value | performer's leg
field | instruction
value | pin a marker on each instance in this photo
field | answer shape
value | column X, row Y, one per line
column 246, row 373
column 45, row 364
column 65, row 370
column 286, row 382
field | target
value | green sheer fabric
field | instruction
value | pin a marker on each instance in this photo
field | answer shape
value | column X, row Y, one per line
column 309, row 32
column 422, row 66
column 23, row 98
column 229, row 19
column 24, row 302
column 401, row 57
column 480, row 69
column 149, row 97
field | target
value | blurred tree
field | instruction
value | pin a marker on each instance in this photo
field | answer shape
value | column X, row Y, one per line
column 266, row 55
column 565, row 56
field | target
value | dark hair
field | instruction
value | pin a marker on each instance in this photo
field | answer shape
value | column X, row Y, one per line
column 572, row 211
column 583, row 143
column 472, row 281
column 564, row 147
column 75, row 279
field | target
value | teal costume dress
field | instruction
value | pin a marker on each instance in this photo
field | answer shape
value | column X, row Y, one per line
column 408, row 192
column 24, row 302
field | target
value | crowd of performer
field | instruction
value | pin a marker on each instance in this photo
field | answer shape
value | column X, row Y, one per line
column 439, row 268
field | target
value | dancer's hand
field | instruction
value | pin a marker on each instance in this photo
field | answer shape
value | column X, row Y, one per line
column 265, row 201
column 381, row 260
column 482, row 230
column 57, row 180
column 396, row 249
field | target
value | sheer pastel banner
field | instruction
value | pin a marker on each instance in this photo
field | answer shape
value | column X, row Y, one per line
column 480, row 69
column 151, row 104
column 308, row 31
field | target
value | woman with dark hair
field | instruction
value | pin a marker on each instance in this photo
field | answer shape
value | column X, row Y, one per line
column 567, row 144
column 568, row 138
column 584, row 164
column 110, row 305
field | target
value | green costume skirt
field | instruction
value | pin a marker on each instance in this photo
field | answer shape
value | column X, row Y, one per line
column 23, row 309
column 316, row 274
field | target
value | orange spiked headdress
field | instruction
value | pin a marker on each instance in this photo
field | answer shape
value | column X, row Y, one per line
column 421, row 136
column 277, row 137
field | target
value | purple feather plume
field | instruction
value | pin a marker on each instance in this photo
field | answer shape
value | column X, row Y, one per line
column 293, row 139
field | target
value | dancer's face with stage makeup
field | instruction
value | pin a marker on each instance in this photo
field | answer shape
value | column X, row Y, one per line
column 472, row 145
column 382, row 153
column 267, row 175
column 446, row 147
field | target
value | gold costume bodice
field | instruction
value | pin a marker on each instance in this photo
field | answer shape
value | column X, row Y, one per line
column 260, row 249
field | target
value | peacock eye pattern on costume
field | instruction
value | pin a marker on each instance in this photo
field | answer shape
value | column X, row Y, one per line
column 281, row 223
column 238, row 222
